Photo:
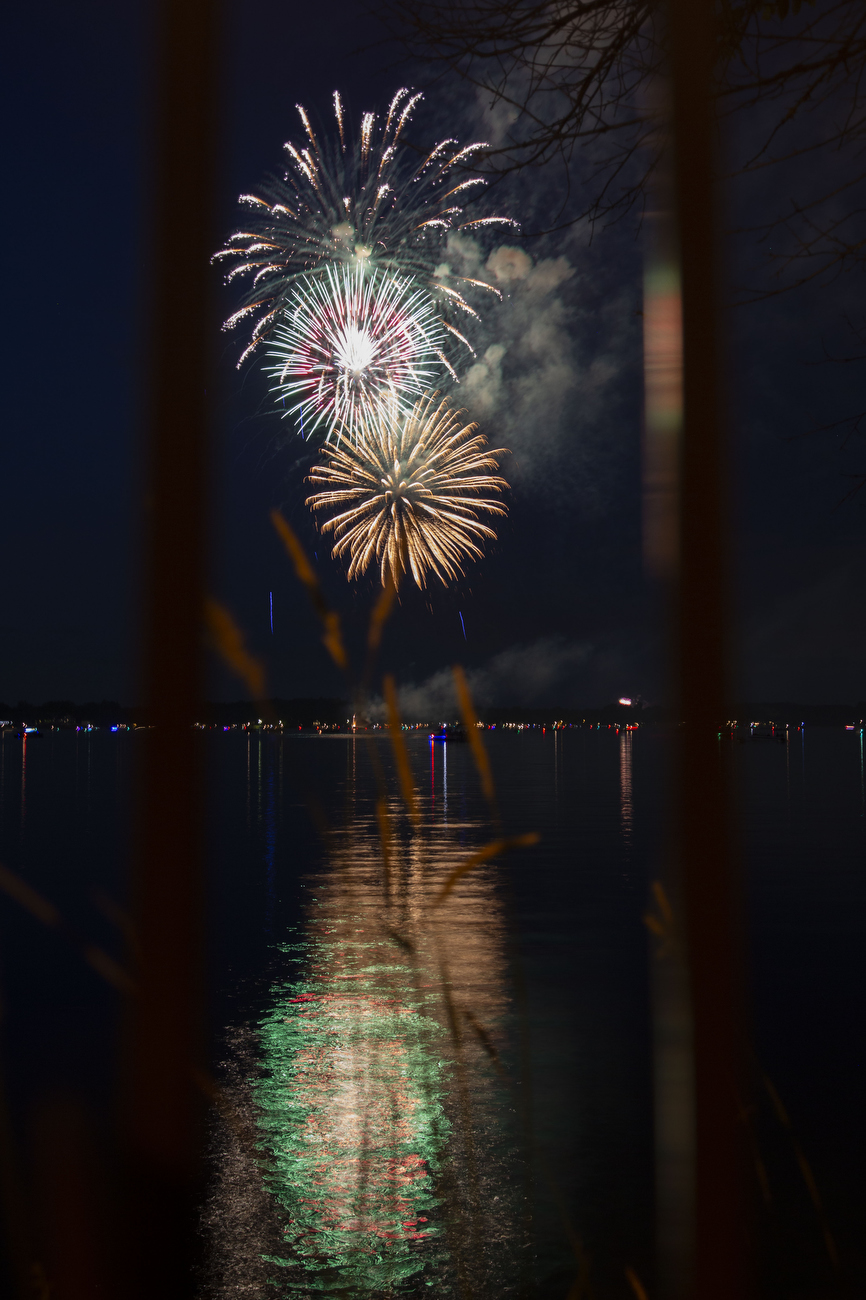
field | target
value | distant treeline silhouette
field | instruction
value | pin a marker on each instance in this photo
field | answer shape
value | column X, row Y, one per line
column 109, row 713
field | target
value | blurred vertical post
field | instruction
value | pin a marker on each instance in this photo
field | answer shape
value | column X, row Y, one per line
column 663, row 376
column 161, row 1108
column 686, row 521
column 673, row 1046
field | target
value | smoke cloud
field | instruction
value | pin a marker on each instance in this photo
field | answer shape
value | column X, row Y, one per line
column 551, row 358
column 519, row 675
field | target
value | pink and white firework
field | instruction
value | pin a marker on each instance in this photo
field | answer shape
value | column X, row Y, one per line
column 352, row 343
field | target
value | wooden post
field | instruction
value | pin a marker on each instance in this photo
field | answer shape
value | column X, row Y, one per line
column 162, row 1111
column 708, row 876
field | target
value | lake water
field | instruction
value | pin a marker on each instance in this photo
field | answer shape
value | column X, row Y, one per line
column 456, row 1098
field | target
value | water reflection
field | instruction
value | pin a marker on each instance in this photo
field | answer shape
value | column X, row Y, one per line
column 379, row 1106
column 270, row 829
column 626, row 810
column 352, row 1108
column 23, row 783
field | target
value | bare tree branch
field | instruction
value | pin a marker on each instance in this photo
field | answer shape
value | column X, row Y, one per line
column 579, row 74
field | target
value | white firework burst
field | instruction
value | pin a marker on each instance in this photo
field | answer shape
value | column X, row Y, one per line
column 353, row 343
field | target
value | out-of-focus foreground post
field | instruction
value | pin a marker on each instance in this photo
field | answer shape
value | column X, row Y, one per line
column 708, row 877
column 161, row 1109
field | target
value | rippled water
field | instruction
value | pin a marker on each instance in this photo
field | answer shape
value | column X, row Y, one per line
column 437, row 1086
column 456, row 1099
column 381, row 1100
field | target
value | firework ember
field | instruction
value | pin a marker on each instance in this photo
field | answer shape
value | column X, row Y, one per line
column 407, row 494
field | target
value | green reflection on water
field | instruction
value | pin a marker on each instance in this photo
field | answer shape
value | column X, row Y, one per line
column 352, row 1114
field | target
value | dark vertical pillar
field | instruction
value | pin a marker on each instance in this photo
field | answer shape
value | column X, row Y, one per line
column 708, row 877
column 161, row 1116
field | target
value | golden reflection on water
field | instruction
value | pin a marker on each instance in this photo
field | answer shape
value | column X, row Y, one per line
column 379, row 1107
column 626, row 806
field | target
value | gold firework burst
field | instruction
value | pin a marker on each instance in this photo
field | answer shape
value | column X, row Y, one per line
column 407, row 494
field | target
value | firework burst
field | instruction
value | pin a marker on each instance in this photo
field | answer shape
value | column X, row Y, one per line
column 407, row 495
column 351, row 342
column 367, row 202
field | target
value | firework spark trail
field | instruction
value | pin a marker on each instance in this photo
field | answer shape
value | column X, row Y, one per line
column 353, row 343
column 408, row 493
column 368, row 202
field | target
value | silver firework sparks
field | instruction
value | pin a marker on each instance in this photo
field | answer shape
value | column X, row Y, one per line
column 365, row 202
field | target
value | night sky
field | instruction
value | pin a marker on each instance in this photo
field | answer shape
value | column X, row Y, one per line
column 559, row 611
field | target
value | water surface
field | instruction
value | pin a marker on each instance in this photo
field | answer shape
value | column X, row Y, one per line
column 455, row 1098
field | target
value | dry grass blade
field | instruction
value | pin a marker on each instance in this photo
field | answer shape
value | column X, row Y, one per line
column 484, row 1039
column 491, row 850
column 118, row 917
column 378, row 618
column 380, row 615
column 28, row 898
column 110, row 970
column 662, row 926
column 401, row 755
column 763, row 1180
column 635, row 1284
column 778, row 1106
column 385, row 837
column 48, row 914
column 228, row 640
column 470, row 722
column 332, row 639
column 805, row 1170
column 331, row 635
column 662, row 899
column 451, row 1013
column 297, row 554
column 580, row 1286
column 654, row 925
